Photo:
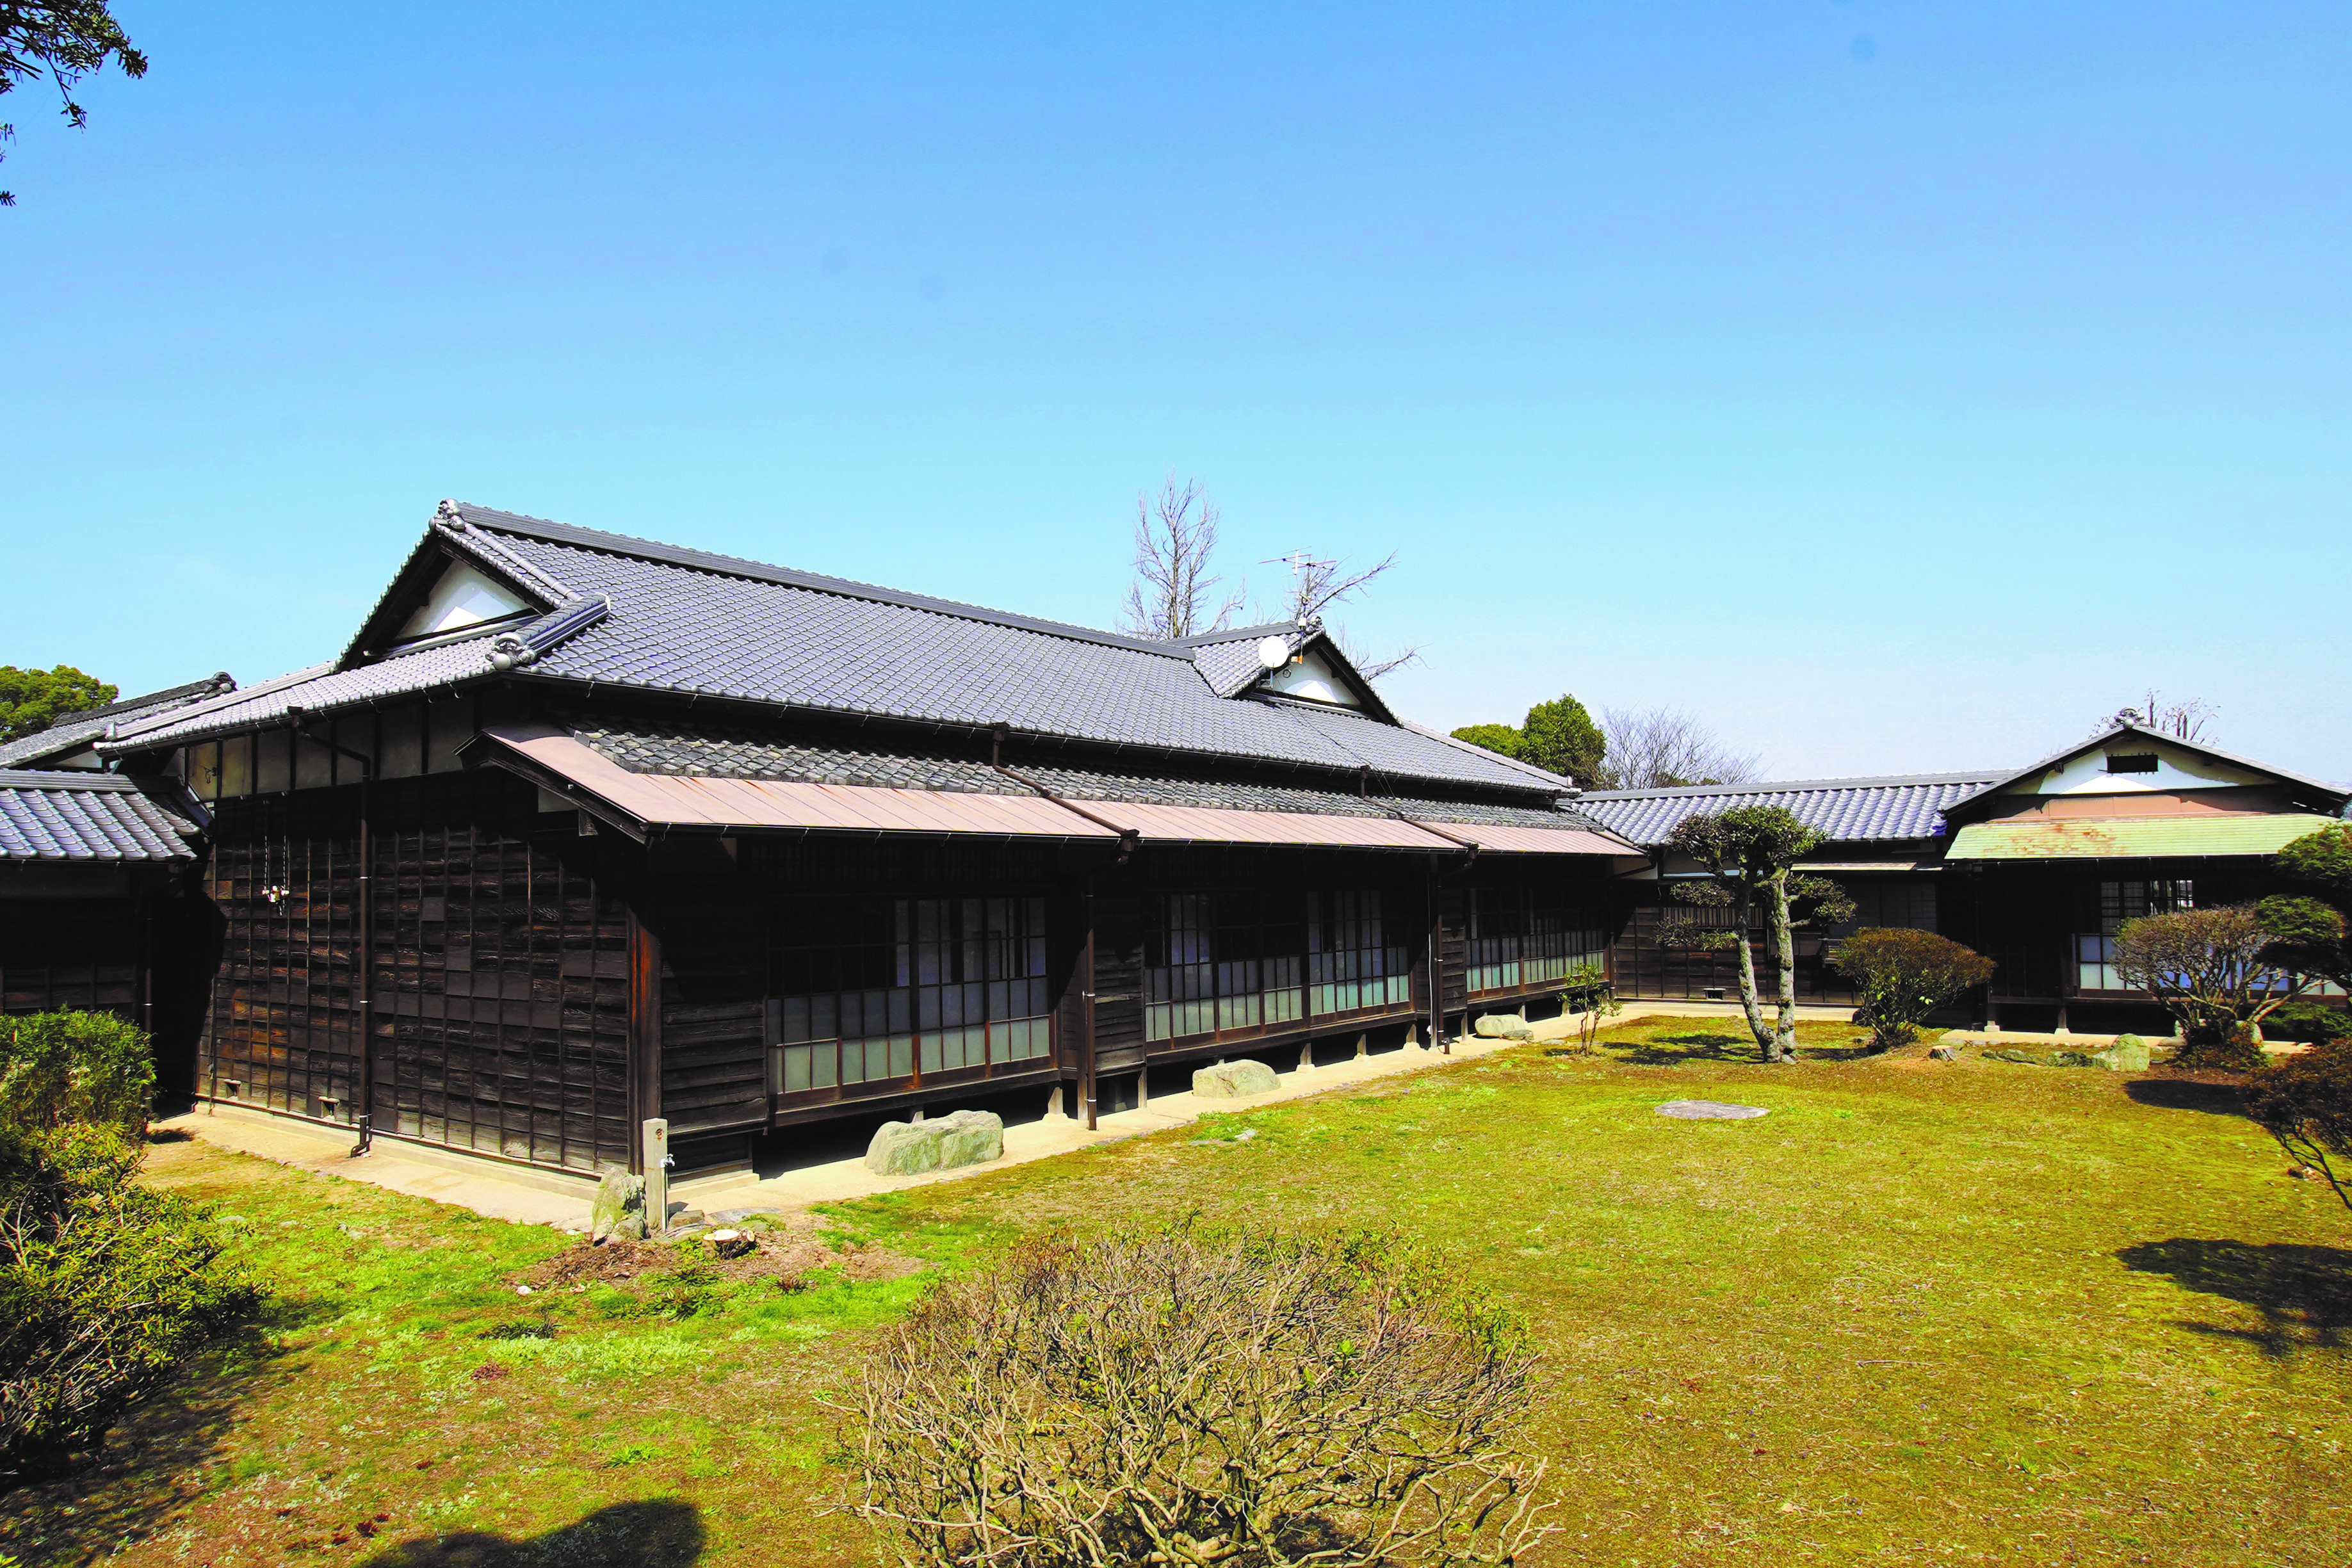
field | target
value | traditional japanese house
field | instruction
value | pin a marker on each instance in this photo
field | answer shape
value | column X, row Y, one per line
column 96, row 910
column 1886, row 840
column 72, row 740
column 95, row 907
column 2046, row 863
column 580, row 830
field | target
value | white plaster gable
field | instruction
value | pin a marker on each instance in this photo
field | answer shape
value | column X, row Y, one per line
column 464, row 597
column 2177, row 767
column 1310, row 676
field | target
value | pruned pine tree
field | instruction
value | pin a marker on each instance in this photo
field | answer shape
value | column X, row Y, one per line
column 1749, row 855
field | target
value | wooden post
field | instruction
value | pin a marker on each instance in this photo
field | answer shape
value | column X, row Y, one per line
column 1086, row 1067
column 1143, row 1087
column 656, row 1144
column 645, row 1033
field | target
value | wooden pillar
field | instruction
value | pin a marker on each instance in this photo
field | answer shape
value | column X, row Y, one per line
column 363, row 962
column 645, row 1036
column 1086, row 984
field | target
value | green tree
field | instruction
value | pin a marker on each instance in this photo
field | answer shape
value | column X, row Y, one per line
column 1749, row 854
column 64, row 40
column 1500, row 737
column 31, row 700
column 1560, row 737
column 2308, row 935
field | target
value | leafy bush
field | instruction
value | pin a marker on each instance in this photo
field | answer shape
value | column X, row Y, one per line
column 1902, row 976
column 2306, row 1103
column 1590, row 982
column 64, row 1068
column 1191, row 1398
column 104, row 1285
column 2314, row 1023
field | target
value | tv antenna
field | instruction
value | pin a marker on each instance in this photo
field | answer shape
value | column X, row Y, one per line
column 1300, row 563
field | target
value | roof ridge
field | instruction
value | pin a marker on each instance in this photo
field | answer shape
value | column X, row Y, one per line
column 551, row 532
column 120, row 705
column 1790, row 786
column 65, row 778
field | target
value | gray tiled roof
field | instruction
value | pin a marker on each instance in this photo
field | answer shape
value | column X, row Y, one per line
column 812, row 756
column 76, row 730
column 1904, row 807
column 70, row 815
column 1231, row 665
column 685, row 623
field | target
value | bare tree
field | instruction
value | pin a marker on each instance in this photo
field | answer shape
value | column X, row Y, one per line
column 2186, row 719
column 1175, row 537
column 1660, row 748
column 1317, row 585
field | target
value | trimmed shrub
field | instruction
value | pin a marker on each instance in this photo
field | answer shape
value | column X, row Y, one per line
column 2314, row 1023
column 64, row 1068
column 1196, row 1398
column 2306, row 1103
column 1901, row 976
column 104, row 1286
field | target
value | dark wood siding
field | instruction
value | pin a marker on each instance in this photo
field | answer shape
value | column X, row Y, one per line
column 714, row 1006
column 1118, row 982
column 79, row 953
column 284, row 1028
column 499, row 983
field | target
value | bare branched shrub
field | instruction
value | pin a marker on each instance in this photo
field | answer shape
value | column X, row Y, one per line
column 2214, row 968
column 1196, row 1398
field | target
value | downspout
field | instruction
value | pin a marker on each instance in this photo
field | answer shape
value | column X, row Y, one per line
column 1129, row 838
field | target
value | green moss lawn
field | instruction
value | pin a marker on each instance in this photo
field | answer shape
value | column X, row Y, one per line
column 1921, row 1313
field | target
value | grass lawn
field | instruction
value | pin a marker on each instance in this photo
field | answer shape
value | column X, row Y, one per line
column 1921, row 1313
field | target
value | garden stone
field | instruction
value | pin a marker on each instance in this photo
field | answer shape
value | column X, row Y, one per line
column 620, row 1208
column 944, row 1144
column 2129, row 1054
column 1710, row 1111
column 1943, row 1053
column 1504, row 1026
column 1230, row 1080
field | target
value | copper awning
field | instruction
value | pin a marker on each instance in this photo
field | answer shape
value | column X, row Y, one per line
column 644, row 804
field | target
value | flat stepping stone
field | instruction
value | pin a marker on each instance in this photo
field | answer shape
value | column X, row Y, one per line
column 1709, row 1110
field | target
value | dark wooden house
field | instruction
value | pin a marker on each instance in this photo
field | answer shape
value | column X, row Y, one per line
column 1885, row 848
column 96, row 905
column 581, row 830
column 2037, row 868
column 95, row 873
column 2047, row 862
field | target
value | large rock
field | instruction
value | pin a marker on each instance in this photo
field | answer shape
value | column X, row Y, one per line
column 620, row 1208
column 1504, row 1026
column 2129, row 1054
column 946, row 1144
column 1230, row 1080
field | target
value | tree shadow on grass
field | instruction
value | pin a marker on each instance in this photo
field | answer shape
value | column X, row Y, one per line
column 2304, row 1293
column 2188, row 1095
column 661, row 1532
column 154, row 1461
column 1668, row 1049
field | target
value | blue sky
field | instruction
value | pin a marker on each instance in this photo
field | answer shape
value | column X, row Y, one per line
column 1895, row 386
